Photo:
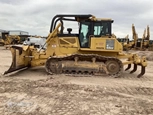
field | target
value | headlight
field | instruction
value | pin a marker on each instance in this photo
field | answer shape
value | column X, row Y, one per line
column 110, row 44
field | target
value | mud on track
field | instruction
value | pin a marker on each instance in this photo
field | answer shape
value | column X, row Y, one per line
column 33, row 92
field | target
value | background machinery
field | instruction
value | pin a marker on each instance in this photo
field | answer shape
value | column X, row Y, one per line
column 3, row 39
column 141, row 43
column 7, row 39
column 126, row 43
column 92, row 49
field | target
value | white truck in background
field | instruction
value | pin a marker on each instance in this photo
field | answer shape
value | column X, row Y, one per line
column 37, row 42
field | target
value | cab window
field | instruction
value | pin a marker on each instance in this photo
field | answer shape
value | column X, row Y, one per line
column 101, row 29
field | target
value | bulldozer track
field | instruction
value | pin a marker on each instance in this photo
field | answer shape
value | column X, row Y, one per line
column 54, row 65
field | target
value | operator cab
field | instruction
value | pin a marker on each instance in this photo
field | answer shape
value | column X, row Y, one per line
column 138, row 43
column 90, row 29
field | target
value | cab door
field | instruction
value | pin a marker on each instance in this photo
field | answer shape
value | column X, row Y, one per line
column 84, row 36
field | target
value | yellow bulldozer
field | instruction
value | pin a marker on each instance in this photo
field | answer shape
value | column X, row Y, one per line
column 92, row 49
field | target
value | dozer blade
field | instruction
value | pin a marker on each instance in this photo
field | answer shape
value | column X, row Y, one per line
column 134, row 69
column 142, row 72
column 129, row 66
column 18, row 59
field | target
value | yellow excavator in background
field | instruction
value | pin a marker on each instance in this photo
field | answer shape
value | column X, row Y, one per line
column 148, row 42
column 7, row 39
column 12, row 39
column 92, row 49
column 126, row 43
column 135, row 36
column 141, row 43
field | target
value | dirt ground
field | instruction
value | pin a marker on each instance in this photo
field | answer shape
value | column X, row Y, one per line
column 34, row 92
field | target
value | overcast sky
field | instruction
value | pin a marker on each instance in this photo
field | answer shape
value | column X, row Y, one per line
column 35, row 16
